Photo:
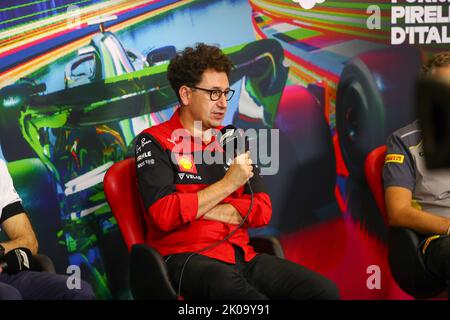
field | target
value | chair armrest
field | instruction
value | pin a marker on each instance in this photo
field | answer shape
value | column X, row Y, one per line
column 149, row 278
column 43, row 263
column 267, row 244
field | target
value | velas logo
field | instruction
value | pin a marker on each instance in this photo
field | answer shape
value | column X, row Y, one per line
column 308, row 4
column 186, row 163
column 189, row 176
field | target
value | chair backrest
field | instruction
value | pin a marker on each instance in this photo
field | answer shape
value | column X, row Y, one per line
column 149, row 278
column 122, row 194
column 374, row 177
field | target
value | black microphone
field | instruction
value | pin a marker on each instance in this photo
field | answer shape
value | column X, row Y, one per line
column 17, row 260
column 233, row 142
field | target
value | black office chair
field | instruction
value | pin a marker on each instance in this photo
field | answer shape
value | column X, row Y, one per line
column 405, row 260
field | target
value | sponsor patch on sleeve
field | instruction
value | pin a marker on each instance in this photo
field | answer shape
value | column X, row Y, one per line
column 396, row 158
column 186, row 163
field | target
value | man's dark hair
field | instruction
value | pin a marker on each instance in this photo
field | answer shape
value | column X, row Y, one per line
column 187, row 67
column 439, row 60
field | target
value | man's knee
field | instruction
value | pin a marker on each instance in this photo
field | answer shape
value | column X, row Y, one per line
column 438, row 257
column 85, row 292
column 57, row 288
column 219, row 282
column 444, row 251
column 330, row 290
column 320, row 289
column 297, row 282
column 8, row 292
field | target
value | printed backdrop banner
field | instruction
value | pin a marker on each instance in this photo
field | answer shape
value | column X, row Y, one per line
column 79, row 80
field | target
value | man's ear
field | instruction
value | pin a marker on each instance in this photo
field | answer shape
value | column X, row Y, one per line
column 185, row 95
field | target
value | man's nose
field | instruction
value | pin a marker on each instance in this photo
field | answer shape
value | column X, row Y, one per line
column 222, row 102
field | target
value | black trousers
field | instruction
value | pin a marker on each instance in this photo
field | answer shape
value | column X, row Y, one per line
column 437, row 258
column 264, row 277
column 30, row 285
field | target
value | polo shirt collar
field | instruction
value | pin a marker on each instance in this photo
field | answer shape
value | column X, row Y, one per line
column 175, row 124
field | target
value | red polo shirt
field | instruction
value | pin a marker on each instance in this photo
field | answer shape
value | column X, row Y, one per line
column 169, row 192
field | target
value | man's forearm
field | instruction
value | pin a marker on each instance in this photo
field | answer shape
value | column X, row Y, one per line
column 420, row 221
column 20, row 232
column 225, row 213
column 209, row 197
column 401, row 213
column 22, row 242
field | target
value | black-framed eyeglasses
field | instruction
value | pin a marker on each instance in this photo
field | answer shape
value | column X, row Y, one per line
column 216, row 94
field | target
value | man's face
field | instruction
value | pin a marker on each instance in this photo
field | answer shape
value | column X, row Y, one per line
column 201, row 107
column 442, row 74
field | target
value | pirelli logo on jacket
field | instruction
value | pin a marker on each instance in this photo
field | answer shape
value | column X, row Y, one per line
column 394, row 158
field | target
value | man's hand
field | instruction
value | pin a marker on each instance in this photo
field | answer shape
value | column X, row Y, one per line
column 240, row 171
column 225, row 213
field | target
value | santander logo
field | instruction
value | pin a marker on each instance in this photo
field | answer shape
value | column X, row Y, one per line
column 308, row 4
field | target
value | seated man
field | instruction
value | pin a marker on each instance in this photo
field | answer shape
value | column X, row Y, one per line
column 415, row 197
column 195, row 209
column 29, row 285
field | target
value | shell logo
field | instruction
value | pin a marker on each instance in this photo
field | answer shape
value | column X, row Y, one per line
column 186, row 163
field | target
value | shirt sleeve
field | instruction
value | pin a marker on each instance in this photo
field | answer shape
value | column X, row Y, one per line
column 10, row 202
column 261, row 212
column 167, row 208
column 398, row 167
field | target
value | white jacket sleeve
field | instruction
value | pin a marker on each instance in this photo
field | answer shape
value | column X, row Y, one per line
column 8, row 194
